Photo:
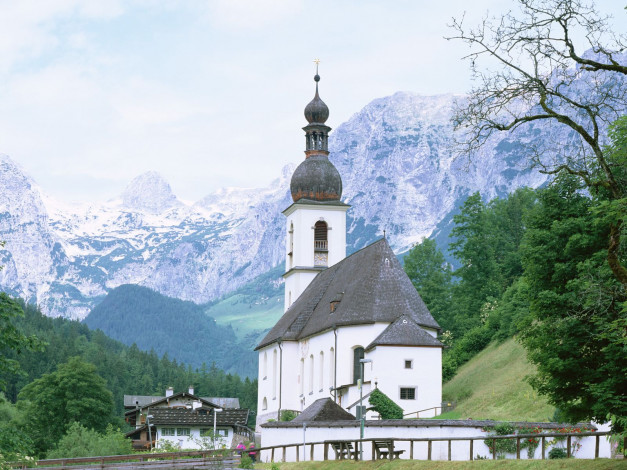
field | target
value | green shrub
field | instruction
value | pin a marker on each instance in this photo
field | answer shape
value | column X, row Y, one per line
column 15, row 446
column 246, row 462
column 383, row 405
column 82, row 442
column 288, row 415
column 557, row 453
column 501, row 446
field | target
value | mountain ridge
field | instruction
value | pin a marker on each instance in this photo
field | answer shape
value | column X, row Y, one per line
column 400, row 175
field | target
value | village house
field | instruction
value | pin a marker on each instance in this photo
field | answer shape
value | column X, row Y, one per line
column 186, row 421
column 346, row 318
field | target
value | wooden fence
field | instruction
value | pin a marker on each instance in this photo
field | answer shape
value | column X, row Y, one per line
column 215, row 460
column 162, row 460
column 518, row 437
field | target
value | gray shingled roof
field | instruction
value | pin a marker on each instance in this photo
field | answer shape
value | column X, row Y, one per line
column 130, row 401
column 374, row 288
column 419, row 423
column 178, row 416
column 323, row 409
column 404, row 332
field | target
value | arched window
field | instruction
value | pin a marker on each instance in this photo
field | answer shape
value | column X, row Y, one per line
column 265, row 364
column 311, row 374
column 290, row 252
column 321, row 371
column 301, row 377
column 358, row 353
column 274, row 374
column 320, row 236
column 264, row 405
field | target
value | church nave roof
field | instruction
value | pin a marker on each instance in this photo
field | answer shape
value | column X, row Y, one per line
column 373, row 287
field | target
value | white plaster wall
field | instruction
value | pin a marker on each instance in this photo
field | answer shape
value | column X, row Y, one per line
column 303, row 219
column 460, row 450
column 187, row 442
column 295, row 284
column 386, row 368
column 425, row 376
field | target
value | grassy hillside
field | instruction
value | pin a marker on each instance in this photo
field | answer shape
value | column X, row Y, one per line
column 254, row 307
column 247, row 313
column 492, row 386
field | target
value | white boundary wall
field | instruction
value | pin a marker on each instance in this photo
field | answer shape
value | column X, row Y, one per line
column 281, row 434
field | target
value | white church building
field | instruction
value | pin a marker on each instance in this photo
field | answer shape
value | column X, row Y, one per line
column 343, row 313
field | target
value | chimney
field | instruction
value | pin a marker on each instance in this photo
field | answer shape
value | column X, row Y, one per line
column 169, row 392
column 191, row 390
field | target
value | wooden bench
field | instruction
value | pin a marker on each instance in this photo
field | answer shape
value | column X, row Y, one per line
column 384, row 449
column 343, row 450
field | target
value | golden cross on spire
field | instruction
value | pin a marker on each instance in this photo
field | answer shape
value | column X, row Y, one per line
column 316, row 61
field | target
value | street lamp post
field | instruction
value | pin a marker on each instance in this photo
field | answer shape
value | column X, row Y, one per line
column 149, row 430
column 361, row 410
column 215, row 412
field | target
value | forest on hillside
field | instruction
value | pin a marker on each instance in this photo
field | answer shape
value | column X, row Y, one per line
column 534, row 266
column 65, row 351
column 138, row 315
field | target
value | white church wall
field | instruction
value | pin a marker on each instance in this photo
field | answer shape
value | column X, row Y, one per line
column 301, row 219
column 304, row 217
column 460, row 450
column 424, row 375
column 348, row 338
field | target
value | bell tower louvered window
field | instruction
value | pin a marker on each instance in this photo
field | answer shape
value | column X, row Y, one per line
column 321, row 244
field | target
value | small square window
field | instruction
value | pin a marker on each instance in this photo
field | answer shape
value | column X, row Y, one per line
column 409, row 364
column 182, row 431
column 167, row 432
column 408, row 393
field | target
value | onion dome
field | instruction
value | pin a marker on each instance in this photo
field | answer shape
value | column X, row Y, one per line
column 316, row 112
column 316, row 179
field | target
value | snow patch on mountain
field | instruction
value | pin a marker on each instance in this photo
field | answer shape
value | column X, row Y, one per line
column 150, row 193
column 400, row 173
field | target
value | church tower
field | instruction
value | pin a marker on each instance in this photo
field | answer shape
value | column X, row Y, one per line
column 316, row 221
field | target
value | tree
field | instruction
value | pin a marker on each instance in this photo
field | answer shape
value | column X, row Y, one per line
column 431, row 276
column 541, row 75
column 82, row 442
column 11, row 338
column 575, row 334
column 480, row 278
column 73, row 393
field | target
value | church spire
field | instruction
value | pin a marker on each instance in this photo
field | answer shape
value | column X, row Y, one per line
column 316, row 133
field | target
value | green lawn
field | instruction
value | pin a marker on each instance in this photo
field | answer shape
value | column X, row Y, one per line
column 492, row 386
column 599, row 464
column 246, row 313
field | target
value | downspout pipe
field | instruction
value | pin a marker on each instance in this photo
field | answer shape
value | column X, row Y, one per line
column 335, row 365
column 280, row 378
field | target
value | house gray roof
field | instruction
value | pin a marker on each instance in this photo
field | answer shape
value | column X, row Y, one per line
column 130, row 401
column 404, row 332
column 202, row 416
column 323, row 409
column 374, row 288
column 419, row 423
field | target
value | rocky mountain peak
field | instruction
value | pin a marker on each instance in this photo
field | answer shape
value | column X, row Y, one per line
column 149, row 192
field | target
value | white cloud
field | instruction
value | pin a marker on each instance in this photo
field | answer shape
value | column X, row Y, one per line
column 238, row 15
column 28, row 26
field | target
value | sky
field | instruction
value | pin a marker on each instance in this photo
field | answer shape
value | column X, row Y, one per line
column 209, row 93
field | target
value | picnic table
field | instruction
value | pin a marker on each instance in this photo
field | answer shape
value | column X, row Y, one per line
column 384, row 449
column 343, row 450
